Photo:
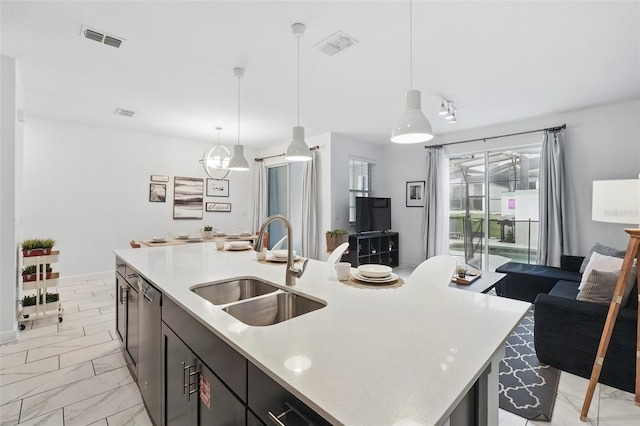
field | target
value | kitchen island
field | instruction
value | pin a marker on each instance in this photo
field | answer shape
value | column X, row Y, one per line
column 406, row 355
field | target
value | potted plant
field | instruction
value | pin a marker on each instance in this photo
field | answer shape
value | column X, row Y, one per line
column 29, row 305
column 30, row 273
column 207, row 231
column 37, row 247
column 335, row 238
column 461, row 271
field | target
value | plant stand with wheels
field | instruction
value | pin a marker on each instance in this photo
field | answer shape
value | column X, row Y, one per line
column 38, row 301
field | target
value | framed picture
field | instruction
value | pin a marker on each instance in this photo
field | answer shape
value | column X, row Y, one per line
column 187, row 197
column 219, row 207
column 217, row 188
column 415, row 193
column 159, row 178
column 157, row 193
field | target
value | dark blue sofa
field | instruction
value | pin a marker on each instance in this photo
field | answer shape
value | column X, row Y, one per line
column 567, row 331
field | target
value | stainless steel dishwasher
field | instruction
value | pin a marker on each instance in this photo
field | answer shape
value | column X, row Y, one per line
column 150, row 349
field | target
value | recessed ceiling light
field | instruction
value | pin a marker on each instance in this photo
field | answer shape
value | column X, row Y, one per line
column 124, row 112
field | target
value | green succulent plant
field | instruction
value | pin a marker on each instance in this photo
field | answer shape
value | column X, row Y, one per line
column 38, row 243
column 30, row 300
column 337, row 232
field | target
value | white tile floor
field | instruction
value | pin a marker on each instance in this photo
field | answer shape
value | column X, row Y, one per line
column 73, row 373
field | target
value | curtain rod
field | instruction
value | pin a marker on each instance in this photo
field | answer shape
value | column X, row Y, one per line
column 313, row 148
column 548, row 129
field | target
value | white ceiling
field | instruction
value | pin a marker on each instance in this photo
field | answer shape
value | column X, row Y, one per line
column 498, row 61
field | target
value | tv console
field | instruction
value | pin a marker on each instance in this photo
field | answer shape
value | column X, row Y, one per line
column 373, row 247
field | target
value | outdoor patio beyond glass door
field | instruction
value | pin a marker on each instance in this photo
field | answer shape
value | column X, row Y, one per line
column 493, row 212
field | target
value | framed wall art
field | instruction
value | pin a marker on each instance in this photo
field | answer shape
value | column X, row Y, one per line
column 415, row 193
column 157, row 192
column 217, row 188
column 159, row 178
column 187, row 197
column 219, row 207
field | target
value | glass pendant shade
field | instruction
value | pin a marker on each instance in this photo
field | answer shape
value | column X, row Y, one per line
column 238, row 162
column 413, row 126
column 298, row 149
column 216, row 162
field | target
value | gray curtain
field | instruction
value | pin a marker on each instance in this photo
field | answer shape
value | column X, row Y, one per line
column 552, row 239
column 436, row 225
column 310, row 204
column 259, row 194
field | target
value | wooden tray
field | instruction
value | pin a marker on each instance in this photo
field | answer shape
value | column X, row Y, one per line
column 468, row 279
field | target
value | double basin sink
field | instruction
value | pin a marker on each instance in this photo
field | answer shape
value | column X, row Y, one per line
column 256, row 302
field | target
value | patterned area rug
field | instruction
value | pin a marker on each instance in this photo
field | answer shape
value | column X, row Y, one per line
column 527, row 387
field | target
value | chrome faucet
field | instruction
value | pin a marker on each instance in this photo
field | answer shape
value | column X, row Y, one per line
column 292, row 271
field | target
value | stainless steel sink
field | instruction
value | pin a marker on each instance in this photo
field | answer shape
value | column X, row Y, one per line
column 232, row 291
column 272, row 309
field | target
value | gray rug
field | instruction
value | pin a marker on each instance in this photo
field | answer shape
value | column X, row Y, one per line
column 527, row 387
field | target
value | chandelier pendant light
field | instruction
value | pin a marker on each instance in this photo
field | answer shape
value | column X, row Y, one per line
column 238, row 161
column 216, row 160
column 413, row 126
column 298, row 149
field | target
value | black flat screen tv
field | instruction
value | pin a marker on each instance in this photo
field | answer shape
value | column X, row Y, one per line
column 373, row 214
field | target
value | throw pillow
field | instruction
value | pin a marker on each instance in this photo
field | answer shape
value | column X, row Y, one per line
column 600, row 262
column 600, row 286
column 602, row 249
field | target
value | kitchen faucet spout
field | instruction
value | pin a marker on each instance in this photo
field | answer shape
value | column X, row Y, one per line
column 292, row 272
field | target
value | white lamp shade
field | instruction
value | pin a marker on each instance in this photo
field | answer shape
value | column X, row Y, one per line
column 413, row 126
column 616, row 201
column 298, row 149
column 238, row 162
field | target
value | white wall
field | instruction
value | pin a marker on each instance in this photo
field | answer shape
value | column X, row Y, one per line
column 88, row 188
column 11, row 132
column 600, row 143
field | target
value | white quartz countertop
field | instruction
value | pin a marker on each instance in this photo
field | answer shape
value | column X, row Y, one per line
column 379, row 356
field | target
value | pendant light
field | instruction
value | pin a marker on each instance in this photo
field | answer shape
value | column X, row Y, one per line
column 216, row 160
column 298, row 149
column 413, row 126
column 238, row 162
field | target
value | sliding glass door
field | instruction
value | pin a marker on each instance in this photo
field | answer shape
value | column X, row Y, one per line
column 493, row 211
column 284, row 197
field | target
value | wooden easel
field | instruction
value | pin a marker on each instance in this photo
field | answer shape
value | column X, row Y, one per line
column 633, row 252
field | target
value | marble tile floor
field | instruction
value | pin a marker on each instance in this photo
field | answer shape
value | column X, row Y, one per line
column 73, row 373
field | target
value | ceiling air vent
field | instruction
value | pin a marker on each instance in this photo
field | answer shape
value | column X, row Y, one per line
column 124, row 112
column 335, row 43
column 102, row 38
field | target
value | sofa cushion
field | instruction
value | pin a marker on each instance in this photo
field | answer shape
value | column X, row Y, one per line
column 600, row 262
column 539, row 271
column 602, row 249
column 565, row 289
column 600, row 286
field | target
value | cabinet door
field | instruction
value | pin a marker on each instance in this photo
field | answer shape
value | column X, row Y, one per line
column 253, row 420
column 131, row 340
column 121, row 306
column 177, row 357
column 217, row 406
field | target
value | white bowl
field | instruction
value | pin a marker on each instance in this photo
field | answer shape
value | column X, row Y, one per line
column 159, row 239
column 245, row 234
column 239, row 244
column 183, row 235
column 374, row 271
column 282, row 253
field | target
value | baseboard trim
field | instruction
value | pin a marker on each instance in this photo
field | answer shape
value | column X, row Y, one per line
column 8, row 336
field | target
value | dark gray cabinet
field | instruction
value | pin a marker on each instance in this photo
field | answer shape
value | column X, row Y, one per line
column 274, row 405
column 150, row 348
column 193, row 394
column 373, row 247
column 127, row 313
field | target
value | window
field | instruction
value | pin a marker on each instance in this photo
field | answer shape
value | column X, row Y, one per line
column 360, row 183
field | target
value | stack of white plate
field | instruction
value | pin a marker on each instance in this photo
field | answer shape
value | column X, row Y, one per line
column 280, row 255
column 159, row 240
column 239, row 245
column 376, row 274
